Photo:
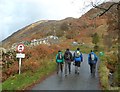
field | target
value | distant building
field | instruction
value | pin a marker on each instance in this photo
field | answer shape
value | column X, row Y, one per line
column 52, row 37
column 33, row 42
column 48, row 40
column 74, row 43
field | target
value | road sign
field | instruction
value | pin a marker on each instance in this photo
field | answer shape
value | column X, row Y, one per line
column 20, row 48
column 20, row 55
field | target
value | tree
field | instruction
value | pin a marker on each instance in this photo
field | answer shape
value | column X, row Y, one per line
column 95, row 39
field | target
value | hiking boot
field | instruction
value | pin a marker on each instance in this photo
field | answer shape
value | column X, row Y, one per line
column 75, row 72
column 90, row 71
column 69, row 72
column 65, row 74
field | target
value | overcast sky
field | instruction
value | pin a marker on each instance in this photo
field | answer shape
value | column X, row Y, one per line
column 16, row 14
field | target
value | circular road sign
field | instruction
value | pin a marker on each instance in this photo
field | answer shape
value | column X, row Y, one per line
column 20, row 48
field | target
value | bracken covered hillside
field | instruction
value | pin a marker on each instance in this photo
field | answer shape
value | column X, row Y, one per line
column 80, row 29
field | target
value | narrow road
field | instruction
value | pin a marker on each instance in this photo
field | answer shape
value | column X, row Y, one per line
column 83, row 81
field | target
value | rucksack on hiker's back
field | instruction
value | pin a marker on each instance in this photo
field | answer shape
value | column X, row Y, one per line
column 92, row 56
column 77, row 54
column 60, row 57
column 78, row 57
column 67, row 55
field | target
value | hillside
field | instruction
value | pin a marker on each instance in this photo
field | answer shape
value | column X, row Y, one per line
column 79, row 29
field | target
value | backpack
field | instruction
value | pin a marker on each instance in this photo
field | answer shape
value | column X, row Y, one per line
column 67, row 56
column 92, row 57
column 77, row 54
column 60, row 57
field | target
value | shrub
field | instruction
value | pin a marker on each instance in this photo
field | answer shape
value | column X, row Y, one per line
column 96, row 48
column 10, row 71
column 70, row 35
column 103, row 73
column 64, row 26
column 95, row 38
column 31, row 64
column 112, row 61
column 59, row 33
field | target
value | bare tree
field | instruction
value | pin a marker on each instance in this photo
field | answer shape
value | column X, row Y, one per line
column 104, row 9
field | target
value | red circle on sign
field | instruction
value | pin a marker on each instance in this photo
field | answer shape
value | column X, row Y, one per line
column 20, row 48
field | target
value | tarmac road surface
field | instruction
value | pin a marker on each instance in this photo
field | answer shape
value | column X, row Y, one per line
column 83, row 81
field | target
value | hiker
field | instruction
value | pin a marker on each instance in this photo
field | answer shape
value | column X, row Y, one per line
column 92, row 60
column 59, row 60
column 68, row 60
column 78, row 58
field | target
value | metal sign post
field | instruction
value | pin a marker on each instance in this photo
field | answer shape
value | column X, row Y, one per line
column 19, row 65
column 20, row 48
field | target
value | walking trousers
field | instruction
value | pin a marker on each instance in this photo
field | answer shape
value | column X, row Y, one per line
column 67, row 65
column 92, row 68
column 59, row 67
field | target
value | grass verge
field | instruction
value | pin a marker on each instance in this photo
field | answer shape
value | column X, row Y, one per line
column 103, row 74
column 20, row 82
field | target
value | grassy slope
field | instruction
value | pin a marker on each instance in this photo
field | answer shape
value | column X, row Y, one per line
column 19, row 82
